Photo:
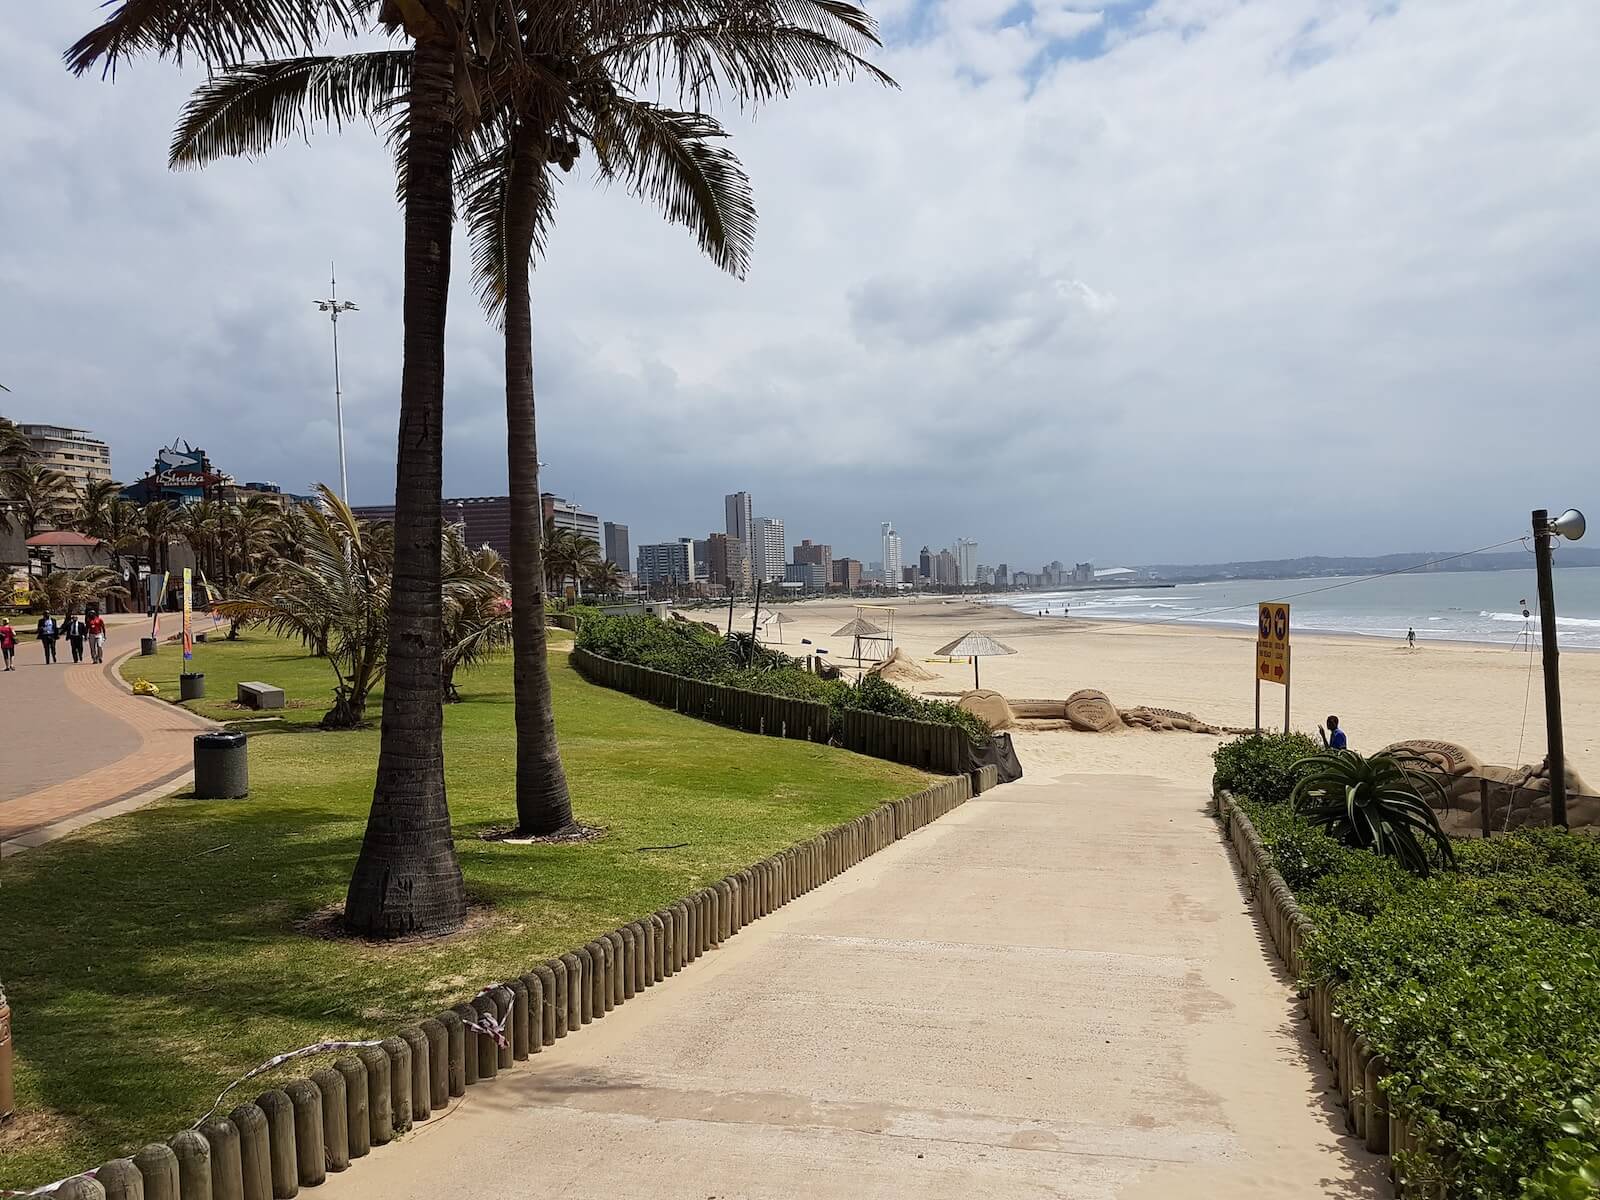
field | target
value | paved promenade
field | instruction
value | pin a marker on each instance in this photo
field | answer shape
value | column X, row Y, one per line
column 79, row 746
column 1059, row 990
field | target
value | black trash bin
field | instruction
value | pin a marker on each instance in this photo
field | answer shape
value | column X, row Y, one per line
column 147, row 645
column 221, row 766
column 191, row 686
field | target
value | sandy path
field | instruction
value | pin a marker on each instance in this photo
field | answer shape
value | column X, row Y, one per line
column 1056, row 991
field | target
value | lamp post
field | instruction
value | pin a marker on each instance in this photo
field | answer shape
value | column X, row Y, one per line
column 1569, row 525
column 333, row 306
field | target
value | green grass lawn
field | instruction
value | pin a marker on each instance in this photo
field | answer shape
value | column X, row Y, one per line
column 153, row 957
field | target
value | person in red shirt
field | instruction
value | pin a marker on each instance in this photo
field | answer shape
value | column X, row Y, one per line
column 97, row 637
column 8, row 643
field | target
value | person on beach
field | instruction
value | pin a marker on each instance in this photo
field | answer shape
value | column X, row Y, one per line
column 1411, row 637
column 1333, row 737
column 97, row 637
column 8, row 643
column 49, row 631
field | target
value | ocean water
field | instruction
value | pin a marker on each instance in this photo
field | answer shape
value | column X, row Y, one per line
column 1457, row 606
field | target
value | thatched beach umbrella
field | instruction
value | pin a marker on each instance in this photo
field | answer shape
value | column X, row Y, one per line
column 780, row 620
column 974, row 645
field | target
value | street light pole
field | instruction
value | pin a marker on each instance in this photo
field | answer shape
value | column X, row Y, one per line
column 1569, row 524
column 333, row 306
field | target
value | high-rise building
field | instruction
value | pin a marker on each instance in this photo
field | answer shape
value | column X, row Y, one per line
column 847, row 573
column 813, row 554
column 81, row 458
column 1002, row 576
column 617, row 545
column 702, row 557
column 737, row 509
column 891, row 554
column 946, row 573
column 666, row 564
column 925, row 563
column 966, row 561
column 565, row 515
column 768, row 549
column 811, row 576
column 719, row 565
column 985, row 575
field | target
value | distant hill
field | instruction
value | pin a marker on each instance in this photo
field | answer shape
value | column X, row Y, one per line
column 1317, row 565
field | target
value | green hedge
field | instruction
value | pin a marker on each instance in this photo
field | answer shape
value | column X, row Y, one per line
column 696, row 651
column 1479, row 987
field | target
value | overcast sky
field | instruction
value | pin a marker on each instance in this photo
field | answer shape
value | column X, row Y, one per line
column 1173, row 281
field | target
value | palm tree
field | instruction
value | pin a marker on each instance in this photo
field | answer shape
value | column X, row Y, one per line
column 70, row 591
column 338, row 599
column 605, row 579
column 160, row 520
column 42, row 497
column 201, row 526
column 94, row 506
column 477, row 611
column 13, row 446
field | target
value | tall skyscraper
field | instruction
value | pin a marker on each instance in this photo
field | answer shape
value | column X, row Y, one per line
column 666, row 564
column 891, row 554
column 925, row 563
column 967, row 561
column 617, row 545
column 737, row 508
column 740, row 529
column 769, row 549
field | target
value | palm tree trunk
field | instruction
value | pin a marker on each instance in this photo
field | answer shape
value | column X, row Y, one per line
column 543, row 803
column 408, row 878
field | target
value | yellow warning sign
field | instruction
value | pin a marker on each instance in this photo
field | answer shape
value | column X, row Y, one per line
column 1272, row 644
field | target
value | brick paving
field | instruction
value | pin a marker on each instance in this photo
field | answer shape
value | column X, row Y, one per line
column 80, row 745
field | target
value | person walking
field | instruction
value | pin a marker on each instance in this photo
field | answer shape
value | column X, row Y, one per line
column 76, row 634
column 1411, row 637
column 8, row 643
column 49, row 631
column 97, row 637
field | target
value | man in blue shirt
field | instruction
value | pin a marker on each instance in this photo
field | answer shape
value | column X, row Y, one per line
column 1334, row 738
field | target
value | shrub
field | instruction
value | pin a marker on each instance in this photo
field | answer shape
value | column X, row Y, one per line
column 695, row 651
column 1374, row 803
column 1259, row 765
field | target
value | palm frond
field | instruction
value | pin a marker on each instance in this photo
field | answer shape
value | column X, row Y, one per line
column 485, row 185
column 247, row 110
column 670, row 158
column 217, row 34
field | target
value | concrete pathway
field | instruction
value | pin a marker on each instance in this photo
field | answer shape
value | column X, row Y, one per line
column 79, row 746
column 1059, row 990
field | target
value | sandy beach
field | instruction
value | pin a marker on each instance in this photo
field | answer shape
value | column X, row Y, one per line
column 1382, row 692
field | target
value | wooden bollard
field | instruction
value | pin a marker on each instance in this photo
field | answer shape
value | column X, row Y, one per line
column 455, row 1052
column 399, row 1054
column 619, row 966
column 335, row 1118
column 647, row 952
column 1377, row 1107
column 532, row 1000
column 79, row 1187
column 574, row 990
column 658, row 946
column 438, row 1063
column 641, row 954
column 469, row 1058
column 520, row 1014
column 227, row 1171
column 158, row 1167
column 194, row 1164
column 672, row 939
column 630, row 965
column 504, row 1011
column 724, row 911
column 488, row 1052
column 587, row 965
column 419, row 1087
column 379, row 1106
column 596, row 984
column 255, row 1151
column 357, row 1105
column 120, row 1180
column 310, row 1160
column 279, row 1111
column 546, row 972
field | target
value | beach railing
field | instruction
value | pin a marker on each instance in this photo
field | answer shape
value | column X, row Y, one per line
column 927, row 745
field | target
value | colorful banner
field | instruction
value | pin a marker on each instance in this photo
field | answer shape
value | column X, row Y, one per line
column 188, row 615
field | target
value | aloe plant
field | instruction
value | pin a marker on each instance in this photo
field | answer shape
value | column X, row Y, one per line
column 1374, row 803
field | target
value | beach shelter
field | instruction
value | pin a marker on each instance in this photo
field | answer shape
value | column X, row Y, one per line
column 974, row 645
column 780, row 620
column 859, row 629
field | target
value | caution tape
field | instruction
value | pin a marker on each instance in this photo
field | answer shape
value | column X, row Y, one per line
column 278, row 1061
column 50, row 1187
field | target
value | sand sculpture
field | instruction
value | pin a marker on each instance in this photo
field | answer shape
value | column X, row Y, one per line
column 900, row 667
column 1518, row 797
column 1087, row 710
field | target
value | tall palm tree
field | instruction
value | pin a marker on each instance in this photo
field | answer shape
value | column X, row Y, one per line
column 94, row 507
column 160, row 520
column 407, row 878
column 605, row 579
column 13, row 446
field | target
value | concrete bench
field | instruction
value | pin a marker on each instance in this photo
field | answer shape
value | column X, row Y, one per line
column 260, row 695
